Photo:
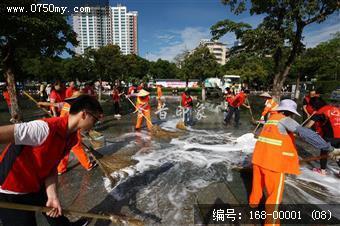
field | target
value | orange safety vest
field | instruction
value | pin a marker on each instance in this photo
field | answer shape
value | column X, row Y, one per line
column 65, row 110
column 159, row 92
column 270, row 105
column 143, row 103
column 275, row 151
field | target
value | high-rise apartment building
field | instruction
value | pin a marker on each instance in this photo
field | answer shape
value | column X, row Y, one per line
column 107, row 25
column 218, row 49
column 93, row 28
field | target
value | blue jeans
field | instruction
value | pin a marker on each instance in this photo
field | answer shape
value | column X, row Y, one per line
column 188, row 117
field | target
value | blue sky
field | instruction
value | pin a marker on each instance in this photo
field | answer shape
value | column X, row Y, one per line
column 168, row 27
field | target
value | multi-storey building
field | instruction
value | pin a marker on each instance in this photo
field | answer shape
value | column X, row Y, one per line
column 107, row 25
column 218, row 49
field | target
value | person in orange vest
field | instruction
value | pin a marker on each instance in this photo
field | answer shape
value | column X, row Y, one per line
column 28, row 165
column 327, row 118
column 275, row 155
column 234, row 107
column 187, row 104
column 77, row 149
column 306, row 106
column 159, row 96
column 270, row 105
column 143, row 108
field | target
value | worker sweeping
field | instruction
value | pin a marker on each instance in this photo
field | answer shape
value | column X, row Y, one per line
column 275, row 155
column 187, row 104
column 77, row 149
column 159, row 96
column 143, row 108
column 327, row 123
column 28, row 165
column 270, row 105
column 234, row 107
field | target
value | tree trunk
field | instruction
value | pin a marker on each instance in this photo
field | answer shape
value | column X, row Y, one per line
column 100, row 90
column 10, row 79
column 15, row 110
column 203, row 92
column 297, row 90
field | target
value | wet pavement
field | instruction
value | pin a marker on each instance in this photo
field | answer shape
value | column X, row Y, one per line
column 160, row 180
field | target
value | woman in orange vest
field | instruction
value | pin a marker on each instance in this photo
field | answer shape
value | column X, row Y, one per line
column 159, row 97
column 143, row 108
column 275, row 155
column 270, row 105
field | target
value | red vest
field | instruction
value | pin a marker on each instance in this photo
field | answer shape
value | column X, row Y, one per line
column 238, row 100
column 332, row 113
column 25, row 168
column 186, row 101
column 309, row 107
column 275, row 151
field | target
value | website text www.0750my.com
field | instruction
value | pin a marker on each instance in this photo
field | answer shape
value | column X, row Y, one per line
column 46, row 8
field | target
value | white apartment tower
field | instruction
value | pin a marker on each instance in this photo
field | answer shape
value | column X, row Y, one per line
column 107, row 25
column 93, row 29
column 218, row 49
column 124, row 29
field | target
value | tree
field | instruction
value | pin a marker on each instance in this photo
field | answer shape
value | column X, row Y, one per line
column 280, row 32
column 30, row 34
column 134, row 67
column 163, row 69
column 200, row 64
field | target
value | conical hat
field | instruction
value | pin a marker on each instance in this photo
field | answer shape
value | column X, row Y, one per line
column 142, row 93
column 265, row 94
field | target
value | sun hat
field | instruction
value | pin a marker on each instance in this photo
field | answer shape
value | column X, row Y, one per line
column 288, row 105
column 142, row 93
column 265, row 94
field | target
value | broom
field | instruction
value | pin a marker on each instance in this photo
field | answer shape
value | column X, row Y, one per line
column 155, row 129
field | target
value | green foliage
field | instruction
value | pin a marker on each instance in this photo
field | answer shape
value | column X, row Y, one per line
column 163, row 69
column 326, row 87
column 200, row 64
column 280, row 32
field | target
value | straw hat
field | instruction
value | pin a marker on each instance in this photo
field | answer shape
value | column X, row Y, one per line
column 265, row 94
column 142, row 93
column 287, row 105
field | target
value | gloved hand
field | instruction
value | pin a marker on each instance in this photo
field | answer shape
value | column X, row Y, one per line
column 335, row 154
column 262, row 118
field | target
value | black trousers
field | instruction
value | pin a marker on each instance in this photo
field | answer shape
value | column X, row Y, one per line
column 27, row 218
column 116, row 108
column 231, row 111
column 335, row 142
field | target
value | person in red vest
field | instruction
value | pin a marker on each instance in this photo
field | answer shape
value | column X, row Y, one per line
column 187, row 104
column 275, row 155
column 57, row 96
column 327, row 119
column 306, row 106
column 70, row 89
column 7, row 98
column 141, row 86
column 89, row 89
column 234, row 107
column 28, row 165
column 116, row 99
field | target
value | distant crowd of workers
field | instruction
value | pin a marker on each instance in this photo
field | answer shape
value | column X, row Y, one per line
column 38, row 150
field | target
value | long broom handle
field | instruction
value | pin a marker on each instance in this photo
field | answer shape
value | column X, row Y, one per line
column 251, row 112
column 304, row 122
column 113, row 218
column 137, row 108
column 36, row 102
